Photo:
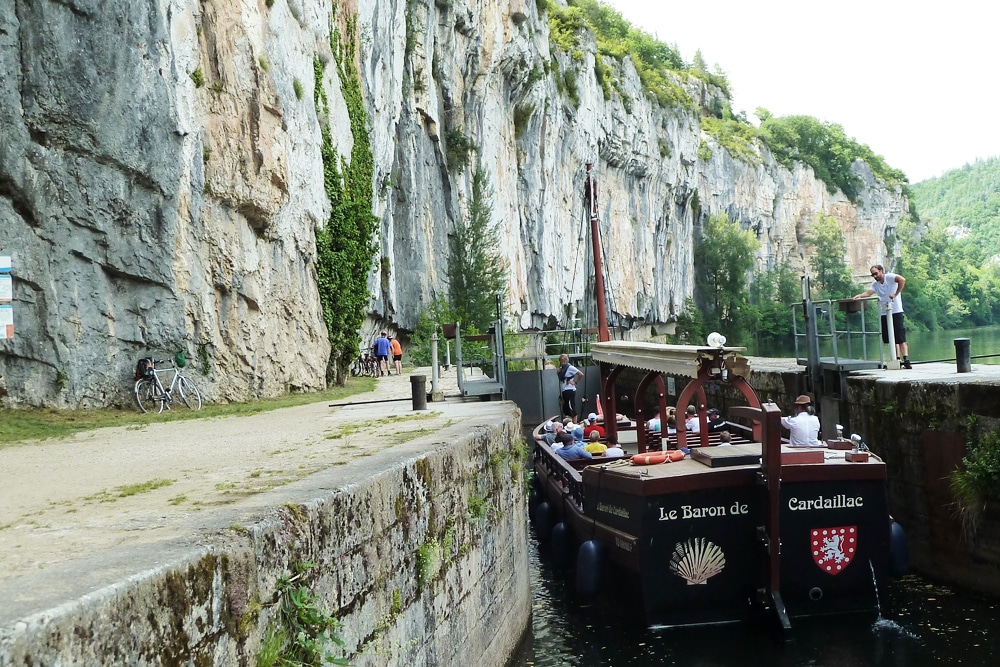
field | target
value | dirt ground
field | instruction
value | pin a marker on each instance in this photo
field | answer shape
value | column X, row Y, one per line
column 72, row 499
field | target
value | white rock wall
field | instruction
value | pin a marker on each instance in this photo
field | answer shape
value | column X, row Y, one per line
column 146, row 214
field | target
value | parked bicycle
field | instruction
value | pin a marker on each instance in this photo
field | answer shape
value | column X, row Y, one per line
column 365, row 364
column 151, row 394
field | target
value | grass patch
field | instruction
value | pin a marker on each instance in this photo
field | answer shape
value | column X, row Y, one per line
column 22, row 426
column 142, row 487
column 178, row 499
column 105, row 496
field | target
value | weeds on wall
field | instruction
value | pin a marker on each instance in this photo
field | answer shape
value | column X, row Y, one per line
column 302, row 631
column 978, row 481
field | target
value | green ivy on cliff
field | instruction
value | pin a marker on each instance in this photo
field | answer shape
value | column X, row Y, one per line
column 345, row 245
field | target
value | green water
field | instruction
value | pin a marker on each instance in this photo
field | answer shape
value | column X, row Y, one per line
column 924, row 346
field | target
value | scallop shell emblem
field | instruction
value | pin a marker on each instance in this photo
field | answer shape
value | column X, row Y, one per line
column 697, row 560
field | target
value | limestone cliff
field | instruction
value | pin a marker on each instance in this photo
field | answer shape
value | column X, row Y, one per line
column 161, row 181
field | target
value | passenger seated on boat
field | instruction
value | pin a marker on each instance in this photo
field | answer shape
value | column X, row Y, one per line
column 725, row 439
column 671, row 425
column 545, row 433
column 716, row 424
column 692, row 423
column 595, row 446
column 654, row 424
column 564, row 439
column 803, row 426
column 593, row 427
column 574, row 451
column 614, row 450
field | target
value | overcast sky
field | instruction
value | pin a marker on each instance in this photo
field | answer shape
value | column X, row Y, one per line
column 917, row 82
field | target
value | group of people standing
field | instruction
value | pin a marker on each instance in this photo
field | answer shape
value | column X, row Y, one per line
column 384, row 346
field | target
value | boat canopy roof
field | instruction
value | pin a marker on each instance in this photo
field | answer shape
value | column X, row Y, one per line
column 679, row 360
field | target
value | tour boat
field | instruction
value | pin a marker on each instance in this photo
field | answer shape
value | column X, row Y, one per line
column 728, row 532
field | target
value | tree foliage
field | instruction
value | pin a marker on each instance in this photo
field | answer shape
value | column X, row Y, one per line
column 476, row 270
column 830, row 273
column 824, row 147
column 723, row 261
column 948, row 282
column 965, row 202
column 771, row 294
column 345, row 246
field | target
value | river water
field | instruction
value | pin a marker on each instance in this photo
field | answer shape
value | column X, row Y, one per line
column 923, row 346
column 921, row 624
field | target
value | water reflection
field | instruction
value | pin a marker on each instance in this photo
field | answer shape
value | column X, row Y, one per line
column 923, row 345
column 922, row 624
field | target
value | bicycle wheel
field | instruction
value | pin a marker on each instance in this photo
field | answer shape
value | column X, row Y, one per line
column 147, row 396
column 189, row 394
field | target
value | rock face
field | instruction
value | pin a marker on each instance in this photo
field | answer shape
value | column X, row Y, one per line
column 161, row 182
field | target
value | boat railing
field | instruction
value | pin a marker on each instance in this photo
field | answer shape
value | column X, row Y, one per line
column 558, row 468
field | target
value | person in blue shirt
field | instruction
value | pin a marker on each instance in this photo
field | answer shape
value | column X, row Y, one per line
column 382, row 348
column 574, row 451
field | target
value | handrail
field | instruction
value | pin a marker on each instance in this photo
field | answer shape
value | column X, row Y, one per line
column 833, row 337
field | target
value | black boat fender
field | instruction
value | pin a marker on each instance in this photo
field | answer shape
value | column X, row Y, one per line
column 899, row 554
column 543, row 521
column 562, row 545
column 534, row 500
column 589, row 565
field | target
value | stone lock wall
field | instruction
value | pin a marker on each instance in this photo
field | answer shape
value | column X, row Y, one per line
column 920, row 430
column 424, row 562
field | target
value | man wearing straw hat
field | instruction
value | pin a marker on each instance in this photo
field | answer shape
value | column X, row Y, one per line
column 803, row 426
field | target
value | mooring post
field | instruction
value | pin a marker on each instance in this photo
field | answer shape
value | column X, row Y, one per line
column 418, row 389
column 963, row 358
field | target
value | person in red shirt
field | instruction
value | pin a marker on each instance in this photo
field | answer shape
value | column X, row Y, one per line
column 593, row 427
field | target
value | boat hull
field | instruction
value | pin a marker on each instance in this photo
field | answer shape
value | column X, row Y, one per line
column 684, row 544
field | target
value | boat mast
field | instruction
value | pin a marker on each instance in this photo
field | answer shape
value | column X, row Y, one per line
column 595, row 235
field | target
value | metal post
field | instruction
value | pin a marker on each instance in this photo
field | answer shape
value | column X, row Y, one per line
column 418, row 390
column 893, row 360
column 812, row 339
column 963, row 352
column 435, row 371
column 447, row 354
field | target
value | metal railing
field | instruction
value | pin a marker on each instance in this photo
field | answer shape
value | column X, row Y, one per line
column 842, row 344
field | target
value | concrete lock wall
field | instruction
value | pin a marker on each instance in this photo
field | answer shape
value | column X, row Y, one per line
column 920, row 430
column 423, row 562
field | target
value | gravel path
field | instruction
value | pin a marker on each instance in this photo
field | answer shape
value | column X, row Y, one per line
column 73, row 500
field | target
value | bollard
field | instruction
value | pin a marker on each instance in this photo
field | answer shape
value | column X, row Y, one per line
column 962, row 355
column 418, row 387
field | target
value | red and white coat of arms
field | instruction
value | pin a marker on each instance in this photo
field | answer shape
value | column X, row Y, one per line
column 833, row 549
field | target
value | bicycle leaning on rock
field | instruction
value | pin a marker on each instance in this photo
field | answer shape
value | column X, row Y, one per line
column 150, row 392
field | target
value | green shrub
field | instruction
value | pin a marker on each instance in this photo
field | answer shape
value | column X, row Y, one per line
column 198, row 78
column 736, row 137
column 978, row 481
column 297, row 87
column 704, row 151
column 522, row 113
column 457, row 147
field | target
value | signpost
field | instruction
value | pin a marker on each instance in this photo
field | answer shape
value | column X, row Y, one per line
column 6, row 299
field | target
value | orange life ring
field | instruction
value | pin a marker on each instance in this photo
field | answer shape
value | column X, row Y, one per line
column 657, row 457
